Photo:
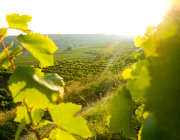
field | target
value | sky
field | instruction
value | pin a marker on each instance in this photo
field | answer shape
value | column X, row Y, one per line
column 122, row 17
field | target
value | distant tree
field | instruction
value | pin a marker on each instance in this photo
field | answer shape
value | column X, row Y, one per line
column 69, row 48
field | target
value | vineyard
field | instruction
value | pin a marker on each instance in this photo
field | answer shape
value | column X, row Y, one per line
column 105, row 91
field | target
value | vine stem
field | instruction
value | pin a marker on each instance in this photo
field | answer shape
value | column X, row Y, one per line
column 136, row 104
column 4, row 48
column 32, row 125
column 49, row 131
column 18, row 53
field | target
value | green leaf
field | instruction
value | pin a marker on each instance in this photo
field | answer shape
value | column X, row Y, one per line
column 20, row 128
column 22, row 114
column 150, row 131
column 138, row 41
column 59, row 134
column 3, row 32
column 42, row 48
column 37, row 90
column 140, row 112
column 18, row 22
column 163, row 94
column 63, row 114
column 140, row 78
column 4, row 60
column 36, row 115
column 150, row 31
column 43, row 123
column 53, row 134
column 121, row 110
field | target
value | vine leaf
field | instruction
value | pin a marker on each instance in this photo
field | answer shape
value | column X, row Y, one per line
column 140, row 112
column 43, row 123
column 140, row 78
column 121, row 109
column 163, row 94
column 150, row 131
column 19, row 22
column 3, row 33
column 4, row 60
column 150, row 30
column 20, row 128
column 138, row 41
column 22, row 114
column 62, row 114
column 40, row 47
column 37, row 90
column 36, row 115
column 59, row 134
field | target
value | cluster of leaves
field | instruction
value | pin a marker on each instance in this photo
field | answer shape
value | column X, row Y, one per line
column 6, row 73
column 155, row 77
column 38, row 92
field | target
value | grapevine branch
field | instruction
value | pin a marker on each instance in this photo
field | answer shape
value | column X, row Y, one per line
column 32, row 125
column 4, row 48
column 49, row 131
column 18, row 53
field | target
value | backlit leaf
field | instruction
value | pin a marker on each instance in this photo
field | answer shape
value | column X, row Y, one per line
column 121, row 109
column 36, row 115
column 163, row 94
column 150, row 30
column 140, row 78
column 150, row 131
column 4, row 60
column 43, row 123
column 37, row 90
column 22, row 114
column 20, row 128
column 59, row 134
column 3, row 32
column 18, row 22
column 42, row 48
column 63, row 115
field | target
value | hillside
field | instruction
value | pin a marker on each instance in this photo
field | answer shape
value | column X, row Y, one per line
column 66, row 40
column 90, row 52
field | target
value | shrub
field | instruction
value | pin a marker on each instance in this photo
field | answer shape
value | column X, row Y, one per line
column 6, row 101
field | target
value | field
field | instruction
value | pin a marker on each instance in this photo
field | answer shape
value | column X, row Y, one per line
column 93, row 52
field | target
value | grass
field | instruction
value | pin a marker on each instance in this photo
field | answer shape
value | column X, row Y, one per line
column 96, row 116
column 7, row 126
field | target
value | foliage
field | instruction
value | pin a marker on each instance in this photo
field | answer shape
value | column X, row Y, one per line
column 69, row 48
column 38, row 92
column 156, row 78
column 6, row 101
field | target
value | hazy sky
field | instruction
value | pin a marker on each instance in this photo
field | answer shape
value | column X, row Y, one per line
column 124, row 17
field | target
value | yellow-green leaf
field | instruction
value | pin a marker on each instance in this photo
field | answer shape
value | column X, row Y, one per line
column 63, row 115
column 150, row 30
column 37, row 90
column 59, row 134
column 3, row 32
column 18, row 22
column 20, row 128
column 4, row 60
column 42, row 48
column 121, row 110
